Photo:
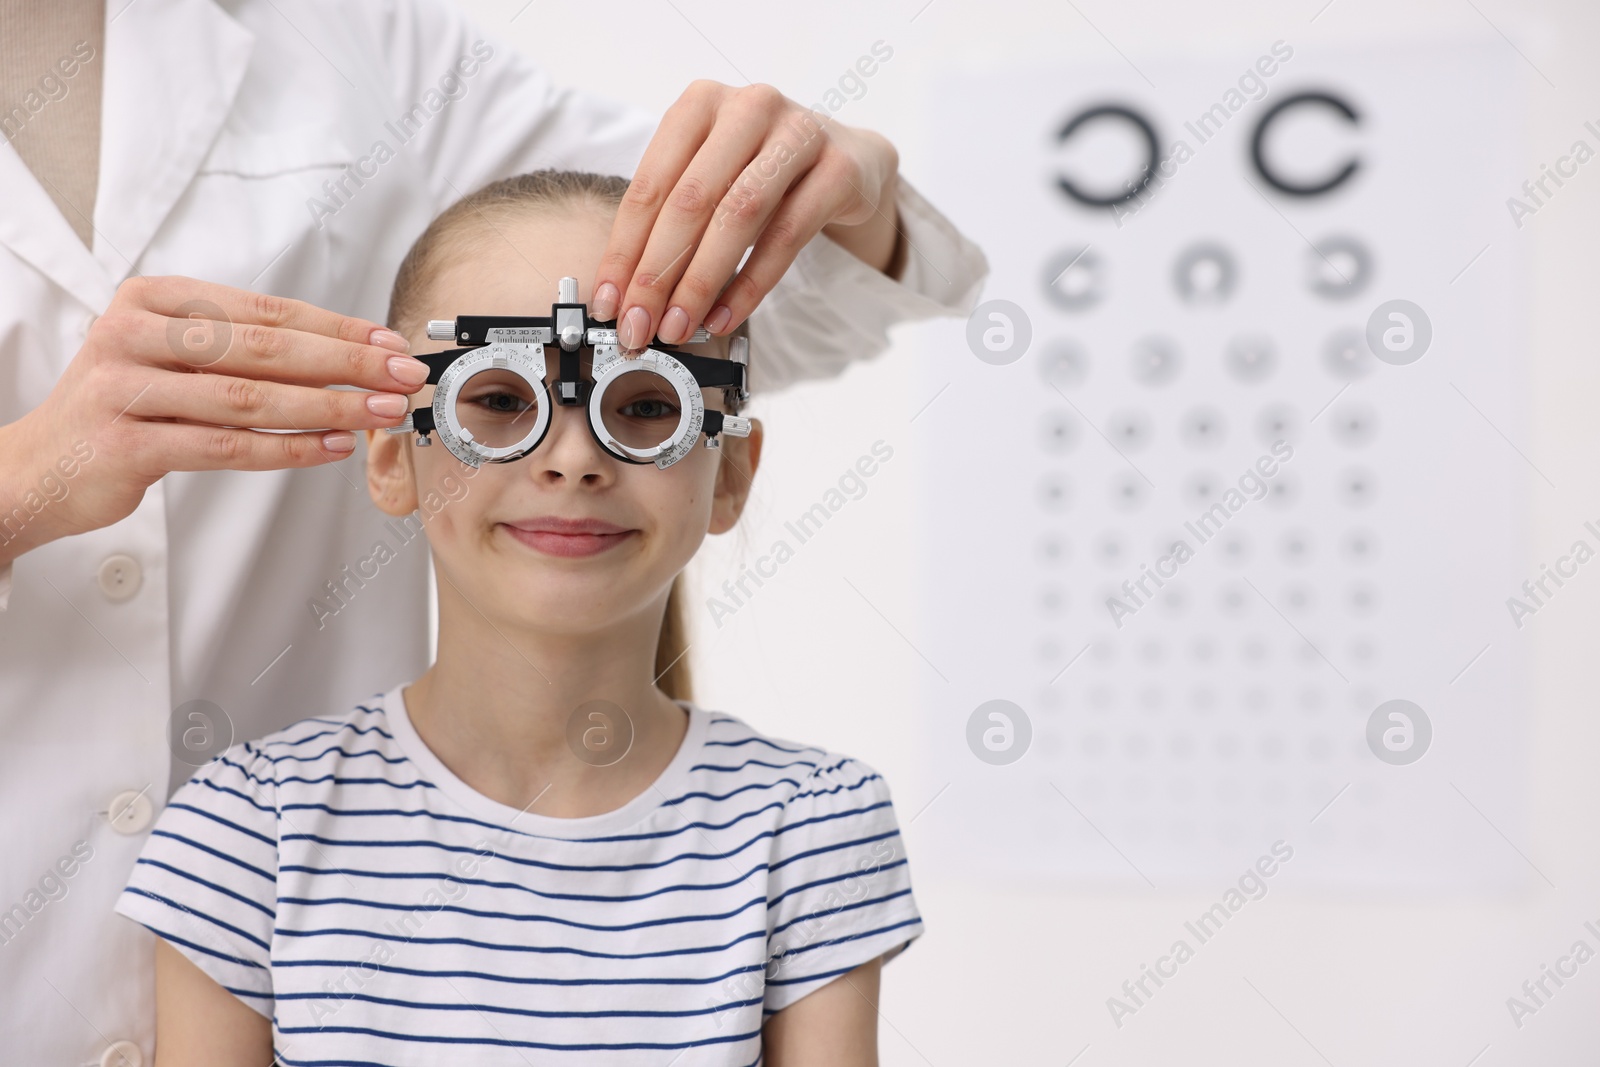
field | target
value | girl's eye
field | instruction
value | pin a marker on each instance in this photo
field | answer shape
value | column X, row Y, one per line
column 649, row 408
column 501, row 403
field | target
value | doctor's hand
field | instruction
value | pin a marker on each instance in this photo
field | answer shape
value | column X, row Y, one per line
column 181, row 375
column 728, row 168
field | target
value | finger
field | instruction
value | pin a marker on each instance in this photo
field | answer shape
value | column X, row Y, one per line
column 683, row 129
column 750, row 205
column 223, row 400
column 252, row 350
column 801, row 216
column 685, row 221
column 661, row 189
column 181, row 446
column 172, row 297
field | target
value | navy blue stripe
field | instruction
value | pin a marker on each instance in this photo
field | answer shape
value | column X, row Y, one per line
column 341, row 727
column 522, row 861
column 837, row 941
column 352, row 872
column 826, row 913
column 439, row 1039
column 229, row 823
column 835, row 878
column 511, row 980
column 240, row 897
column 728, row 796
column 538, row 950
column 798, row 823
column 226, row 762
column 218, row 923
column 340, row 751
column 209, row 784
column 248, row 993
column 513, row 917
column 833, row 848
column 763, row 741
column 754, row 763
column 836, row 789
column 176, row 940
column 423, row 1005
column 158, row 832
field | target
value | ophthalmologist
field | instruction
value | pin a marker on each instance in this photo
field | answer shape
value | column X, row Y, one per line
column 160, row 568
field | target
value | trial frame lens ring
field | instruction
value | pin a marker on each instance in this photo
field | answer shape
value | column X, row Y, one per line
column 524, row 361
column 691, row 407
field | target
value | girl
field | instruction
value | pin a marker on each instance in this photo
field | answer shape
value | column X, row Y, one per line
column 540, row 851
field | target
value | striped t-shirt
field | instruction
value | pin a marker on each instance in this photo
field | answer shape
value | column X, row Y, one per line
column 340, row 880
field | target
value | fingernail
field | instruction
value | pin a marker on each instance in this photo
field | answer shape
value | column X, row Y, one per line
column 718, row 320
column 674, row 326
column 387, row 405
column 408, row 370
column 605, row 302
column 389, row 339
column 635, row 329
column 339, row 441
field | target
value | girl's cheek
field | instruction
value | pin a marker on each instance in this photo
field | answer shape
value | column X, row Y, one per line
column 447, row 493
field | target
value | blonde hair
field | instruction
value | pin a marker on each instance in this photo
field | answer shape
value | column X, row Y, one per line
column 450, row 236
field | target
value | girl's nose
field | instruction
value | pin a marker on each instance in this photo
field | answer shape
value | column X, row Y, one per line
column 569, row 453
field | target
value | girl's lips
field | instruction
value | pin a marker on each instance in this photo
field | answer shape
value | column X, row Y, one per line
column 569, row 537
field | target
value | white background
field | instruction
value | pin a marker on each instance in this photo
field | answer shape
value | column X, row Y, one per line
column 1010, row 974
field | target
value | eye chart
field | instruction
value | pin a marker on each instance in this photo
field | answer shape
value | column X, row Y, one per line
column 1199, row 532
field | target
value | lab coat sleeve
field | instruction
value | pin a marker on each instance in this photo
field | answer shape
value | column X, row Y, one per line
column 829, row 309
column 832, row 308
column 5, row 586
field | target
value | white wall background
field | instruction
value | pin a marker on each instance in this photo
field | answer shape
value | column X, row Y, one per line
column 1010, row 975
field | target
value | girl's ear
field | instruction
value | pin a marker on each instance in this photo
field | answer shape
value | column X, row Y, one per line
column 737, row 469
column 390, row 480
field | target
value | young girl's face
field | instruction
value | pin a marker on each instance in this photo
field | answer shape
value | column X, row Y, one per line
column 568, row 539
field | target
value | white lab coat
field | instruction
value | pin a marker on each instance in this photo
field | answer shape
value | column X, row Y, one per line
column 221, row 124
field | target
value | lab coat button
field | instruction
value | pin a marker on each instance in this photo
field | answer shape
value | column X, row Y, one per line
column 119, row 577
column 130, row 811
column 122, row 1054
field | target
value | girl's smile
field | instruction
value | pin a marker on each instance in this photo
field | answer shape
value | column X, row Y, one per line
column 555, row 536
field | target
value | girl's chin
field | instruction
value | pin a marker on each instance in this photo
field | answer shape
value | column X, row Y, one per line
column 553, row 596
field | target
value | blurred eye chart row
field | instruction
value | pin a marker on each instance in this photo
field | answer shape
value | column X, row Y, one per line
column 1221, row 495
